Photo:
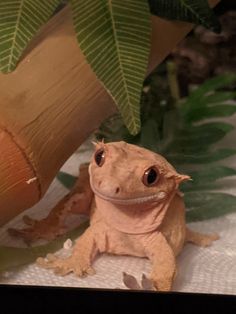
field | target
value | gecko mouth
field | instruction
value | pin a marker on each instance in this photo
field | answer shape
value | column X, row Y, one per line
column 129, row 201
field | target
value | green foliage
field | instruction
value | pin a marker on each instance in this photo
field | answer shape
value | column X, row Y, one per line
column 115, row 39
column 19, row 22
column 171, row 130
column 186, row 140
column 114, row 36
column 205, row 101
column 205, row 205
column 201, row 158
column 193, row 11
column 66, row 179
column 207, row 178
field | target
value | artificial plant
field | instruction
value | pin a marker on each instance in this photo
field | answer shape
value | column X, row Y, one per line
column 186, row 131
column 114, row 36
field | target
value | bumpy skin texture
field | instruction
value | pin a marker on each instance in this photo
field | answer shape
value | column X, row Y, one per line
column 134, row 212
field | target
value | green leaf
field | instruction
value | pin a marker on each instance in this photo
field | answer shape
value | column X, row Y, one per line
column 204, row 179
column 211, row 174
column 205, row 128
column 218, row 97
column 196, row 97
column 20, row 20
column 66, row 179
column 12, row 257
column 114, row 36
column 193, row 11
column 200, row 113
column 195, row 139
column 204, row 206
column 201, row 158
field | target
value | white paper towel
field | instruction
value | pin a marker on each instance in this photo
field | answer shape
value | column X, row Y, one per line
column 207, row 270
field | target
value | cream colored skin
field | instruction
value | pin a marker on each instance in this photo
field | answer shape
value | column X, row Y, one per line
column 130, row 218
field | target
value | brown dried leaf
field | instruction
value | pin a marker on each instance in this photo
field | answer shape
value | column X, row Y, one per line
column 131, row 282
column 146, row 283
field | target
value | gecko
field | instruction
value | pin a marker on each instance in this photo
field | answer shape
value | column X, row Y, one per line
column 136, row 208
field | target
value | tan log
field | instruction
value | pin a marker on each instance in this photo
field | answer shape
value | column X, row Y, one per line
column 51, row 103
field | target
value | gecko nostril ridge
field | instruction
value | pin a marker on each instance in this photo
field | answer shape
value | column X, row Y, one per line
column 117, row 190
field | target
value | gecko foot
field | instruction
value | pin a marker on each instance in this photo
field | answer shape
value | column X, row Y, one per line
column 201, row 239
column 65, row 266
column 161, row 283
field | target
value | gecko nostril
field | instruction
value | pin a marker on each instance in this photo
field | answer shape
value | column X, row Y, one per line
column 99, row 183
column 117, row 190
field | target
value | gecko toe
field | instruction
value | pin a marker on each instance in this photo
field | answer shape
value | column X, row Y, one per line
column 51, row 257
column 91, row 271
column 62, row 271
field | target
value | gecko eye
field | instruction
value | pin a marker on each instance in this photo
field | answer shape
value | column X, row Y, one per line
column 99, row 157
column 151, row 176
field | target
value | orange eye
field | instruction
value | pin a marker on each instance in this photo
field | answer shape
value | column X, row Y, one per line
column 151, row 176
column 99, row 157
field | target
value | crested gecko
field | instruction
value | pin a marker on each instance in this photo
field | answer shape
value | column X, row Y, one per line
column 135, row 206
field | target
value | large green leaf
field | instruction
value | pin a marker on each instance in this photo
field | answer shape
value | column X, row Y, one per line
column 219, row 97
column 206, row 101
column 204, row 205
column 201, row 158
column 216, row 111
column 200, row 96
column 193, row 11
column 207, row 178
column 114, row 36
column 187, row 141
column 20, row 20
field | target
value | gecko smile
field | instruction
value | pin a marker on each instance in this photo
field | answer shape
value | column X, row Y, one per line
column 130, row 201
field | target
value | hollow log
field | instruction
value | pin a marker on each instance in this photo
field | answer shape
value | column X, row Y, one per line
column 51, row 103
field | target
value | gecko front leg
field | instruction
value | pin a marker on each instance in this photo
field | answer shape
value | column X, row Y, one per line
column 163, row 262
column 80, row 261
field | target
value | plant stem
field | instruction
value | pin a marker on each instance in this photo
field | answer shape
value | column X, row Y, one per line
column 173, row 82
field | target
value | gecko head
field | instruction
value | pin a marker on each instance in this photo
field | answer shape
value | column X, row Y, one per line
column 126, row 174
